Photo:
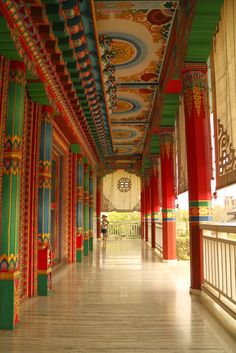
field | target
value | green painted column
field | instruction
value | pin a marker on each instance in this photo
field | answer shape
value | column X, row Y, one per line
column 10, row 210
column 44, row 203
column 86, row 209
column 90, row 209
column 79, row 208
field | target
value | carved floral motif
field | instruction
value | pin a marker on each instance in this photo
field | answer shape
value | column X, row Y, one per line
column 227, row 160
column 196, row 92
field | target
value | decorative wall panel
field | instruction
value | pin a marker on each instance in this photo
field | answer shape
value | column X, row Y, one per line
column 224, row 69
column 121, row 192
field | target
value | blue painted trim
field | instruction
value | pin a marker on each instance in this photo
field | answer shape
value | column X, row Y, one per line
column 200, row 218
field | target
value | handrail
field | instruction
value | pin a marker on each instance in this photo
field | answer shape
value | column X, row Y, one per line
column 127, row 229
column 223, row 240
column 159, row 238
column 219, row 227
column 219, row 259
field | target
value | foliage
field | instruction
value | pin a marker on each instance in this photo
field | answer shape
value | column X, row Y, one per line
column 182, row 231
column 123, row 227
column 219, row 214
column 182, row 248
column 182, row 223
column 123, row 216
column 181, row 215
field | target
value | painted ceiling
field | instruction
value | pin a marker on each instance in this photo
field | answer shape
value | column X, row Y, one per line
column 138, row 33
column 113, row 67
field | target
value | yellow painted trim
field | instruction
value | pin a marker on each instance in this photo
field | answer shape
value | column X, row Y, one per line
column 45, row 272
column 9, row 275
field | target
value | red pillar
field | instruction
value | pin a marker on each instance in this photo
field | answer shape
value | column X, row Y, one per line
column 142, row 209
column 198, row 139
column 98, row 207
column 71, row 190
column 147, row 207
column 168, row 195
column 155, row 197
column 73, row 210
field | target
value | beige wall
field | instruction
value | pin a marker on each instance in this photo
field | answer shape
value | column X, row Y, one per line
column 115, row 200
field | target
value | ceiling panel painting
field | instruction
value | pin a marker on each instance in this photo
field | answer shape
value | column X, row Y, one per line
column 129, row 133
column 127, row 149
column 133, row 103
column 137, row 33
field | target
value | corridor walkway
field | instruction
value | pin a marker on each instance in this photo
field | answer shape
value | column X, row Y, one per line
column 121, row 300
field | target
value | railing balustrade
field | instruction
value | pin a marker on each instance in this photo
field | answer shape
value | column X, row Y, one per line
column 219, row 254
column 159, row 237
column 126, row 229
column 149, row 230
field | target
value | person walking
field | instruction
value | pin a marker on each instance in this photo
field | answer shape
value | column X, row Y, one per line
column 104, row 226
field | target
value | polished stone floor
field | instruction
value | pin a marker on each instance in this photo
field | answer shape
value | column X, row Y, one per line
column 121, row 299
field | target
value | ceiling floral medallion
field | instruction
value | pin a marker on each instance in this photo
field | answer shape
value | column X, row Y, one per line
column 123, row 106
column 124, row 150
column 159, row 16
column 123, row 134
column 153, row 20
column 124, row 52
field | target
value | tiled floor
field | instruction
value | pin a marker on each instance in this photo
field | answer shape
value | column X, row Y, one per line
column 121, row 299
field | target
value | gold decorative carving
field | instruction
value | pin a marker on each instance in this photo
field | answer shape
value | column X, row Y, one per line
column 197, row 99
column 227, row 160
column 166, row 149
column 196, row 91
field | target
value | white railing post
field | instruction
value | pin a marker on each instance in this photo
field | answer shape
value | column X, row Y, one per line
column 127, row 229
column 219, row 254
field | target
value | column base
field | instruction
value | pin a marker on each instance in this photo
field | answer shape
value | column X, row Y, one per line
column 78, row 255
column 44, row 282
column 169, row 236
column 9, row 300
column 196, row 292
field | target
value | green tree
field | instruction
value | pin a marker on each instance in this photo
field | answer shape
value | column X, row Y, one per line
column 182, row 223
column 123, row 216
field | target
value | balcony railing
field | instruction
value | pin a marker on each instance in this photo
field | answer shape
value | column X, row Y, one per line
column 126, row 229
column 219, row 253
column 219, row 256
column 159, row 238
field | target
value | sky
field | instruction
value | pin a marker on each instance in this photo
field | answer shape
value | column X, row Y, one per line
column 221, row 195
